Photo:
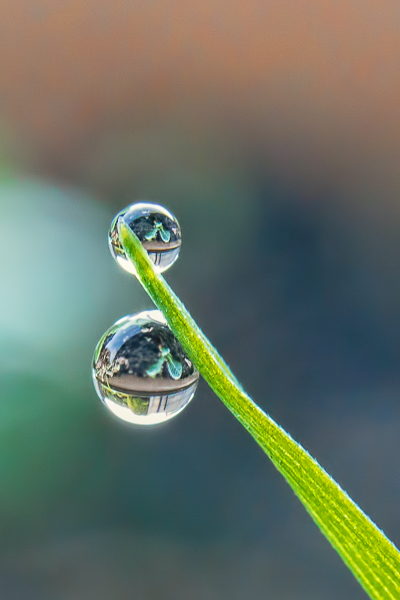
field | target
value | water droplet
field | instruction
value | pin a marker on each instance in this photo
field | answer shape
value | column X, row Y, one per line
column 140, row 370
column 156, row 228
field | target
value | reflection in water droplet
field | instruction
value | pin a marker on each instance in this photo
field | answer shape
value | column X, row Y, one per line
column 156, row 228
column 140, row 370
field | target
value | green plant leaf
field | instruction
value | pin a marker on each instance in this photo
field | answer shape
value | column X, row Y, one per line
column 365, row 549
column 174, row 367
column 165, row 235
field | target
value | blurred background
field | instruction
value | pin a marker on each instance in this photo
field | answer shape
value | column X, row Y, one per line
column 271, row 129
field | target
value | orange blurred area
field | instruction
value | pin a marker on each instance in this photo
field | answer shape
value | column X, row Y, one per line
column 315, row 84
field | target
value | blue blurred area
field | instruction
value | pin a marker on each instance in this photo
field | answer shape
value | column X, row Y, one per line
column 89, row 505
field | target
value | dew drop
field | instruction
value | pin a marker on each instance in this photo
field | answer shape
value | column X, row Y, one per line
column 140, row 370
column 156, row 228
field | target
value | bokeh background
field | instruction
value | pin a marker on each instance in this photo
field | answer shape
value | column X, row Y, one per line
column 271, row 128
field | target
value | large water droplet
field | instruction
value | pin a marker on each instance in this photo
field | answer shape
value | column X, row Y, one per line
column 140, row 370
column 156, row 228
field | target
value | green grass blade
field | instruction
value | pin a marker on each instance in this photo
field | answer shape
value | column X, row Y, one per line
column 365, row 549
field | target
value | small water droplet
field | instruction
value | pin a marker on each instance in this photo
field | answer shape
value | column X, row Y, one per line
column 156, row 228
column 140, row 370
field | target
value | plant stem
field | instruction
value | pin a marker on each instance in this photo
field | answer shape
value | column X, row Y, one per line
column 365, row 549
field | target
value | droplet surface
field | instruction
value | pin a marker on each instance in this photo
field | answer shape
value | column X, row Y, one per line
column 140, row 370
column 156, row 228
